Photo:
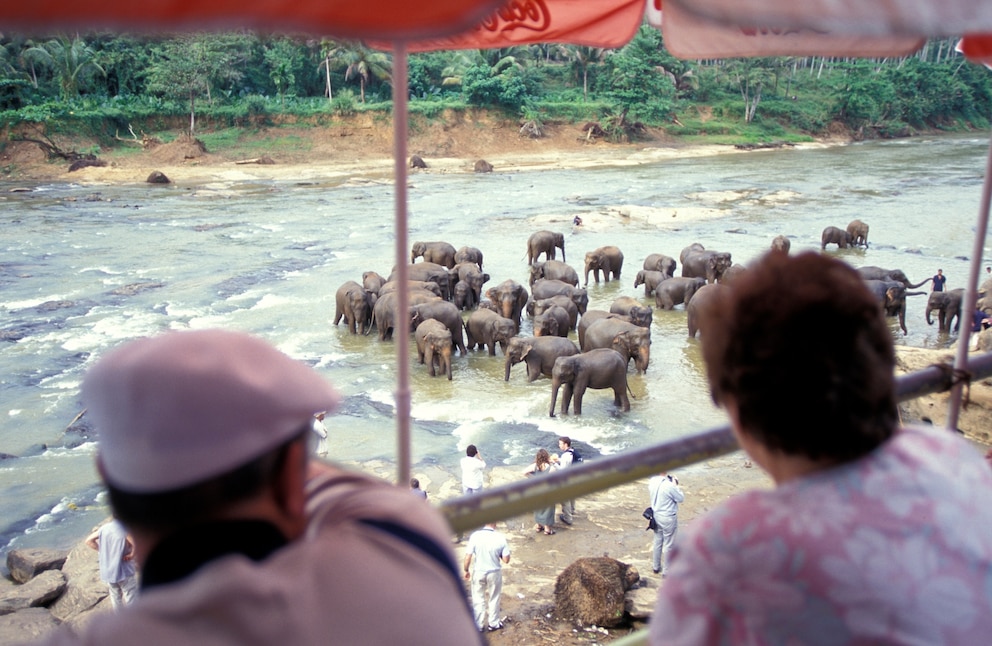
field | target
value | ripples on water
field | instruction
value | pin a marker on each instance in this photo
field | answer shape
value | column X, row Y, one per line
column 85, row 268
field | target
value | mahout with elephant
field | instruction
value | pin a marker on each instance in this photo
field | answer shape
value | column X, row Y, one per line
column 537, row 353
column 631, row 341
column 446, row 313
column 538, row 307
column 704, row 296
column 510, row 298
column 607, row 261
column 485, row 328
column 354, row 304
column 553, row 321
column 660, row 262
column 891, row 297
column 469, row 254
column 638, row 313
column 675, row 291
column 545, row 242
column 948, row 307
column 870, row 272
column 547, row 288
column 858, row 231
column 433, row 341
column 650, row 278
column 699, row 262
column 553, row 270
column 598, row 369
column 441, row 253
column 835, row 235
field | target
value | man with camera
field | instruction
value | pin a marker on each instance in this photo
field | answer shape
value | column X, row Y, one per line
column 665, row 498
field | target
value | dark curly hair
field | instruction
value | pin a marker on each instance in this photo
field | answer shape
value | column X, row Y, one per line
column 803, row 349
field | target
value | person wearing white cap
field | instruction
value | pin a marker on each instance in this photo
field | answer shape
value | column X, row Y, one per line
column 240, row 538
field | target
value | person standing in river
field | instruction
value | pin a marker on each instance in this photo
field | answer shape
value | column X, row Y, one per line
column 938, row 281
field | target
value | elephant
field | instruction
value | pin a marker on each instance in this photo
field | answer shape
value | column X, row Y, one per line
column 469, row 254
column 704, row 297
column 631, row 341
column 858, row 231
column 447, row 314
column 833, row 235
column 781, row 243
column 673, row 291
column 539, row 353
column 487, row 328
column 545, row 242
column 695, row 246
column 591, row 317
column 536, row 308
column 554, row 321
column 553, row 270
column 393, row 285
column 470, row 273
column 599, row 368
column 384, row 311
column 639, row 314
column 896, row 275
column 464, row 297
column 948, row 306
column 702, row 263
column 372, row 282
column 606, row 260
column 650, row 278
column 891, row 297
column 429, row 272
column 732, row 273
column 660, row 262
column 354, row 304
column 434, row 346
column 441, row 253
column 510, row 297
column 545, row 288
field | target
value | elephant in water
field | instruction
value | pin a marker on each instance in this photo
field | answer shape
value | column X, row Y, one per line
column 553, row 270
column 606, row 260
column 948, row 306
column 539, row 353
column 354, row 304
column 510, row 298
column 469, row 254
column 650, row 278
column 781, row 243
column 545, row 242
column 896, row 275
column 639, row 314
column 858, row 231
column 599, row 368
column 434, row 347
column 673, row 291
column 487, row 328
column 833, row 235
column 441, row 253
column 660, row 262
column 445, row 312
column 891, row 297
column 547, row 288
column 698, row 262
column 631, row 341
column 701, row 299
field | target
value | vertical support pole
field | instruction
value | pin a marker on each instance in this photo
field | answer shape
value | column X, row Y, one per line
column 402, row 331
column 971, row 291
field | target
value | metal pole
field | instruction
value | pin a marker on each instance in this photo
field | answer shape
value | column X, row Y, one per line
column 401, row 333
column 971, row 289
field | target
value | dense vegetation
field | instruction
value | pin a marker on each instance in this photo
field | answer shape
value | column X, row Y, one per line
column 104, row 83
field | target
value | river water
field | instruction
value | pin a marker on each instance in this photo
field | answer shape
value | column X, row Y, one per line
column 85, row 268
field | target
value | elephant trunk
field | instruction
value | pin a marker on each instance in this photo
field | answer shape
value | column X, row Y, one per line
column 929, row 310
column 445, row 360
column 923, row 282
column 642, row 358
column 509, row 362
column 555, row 385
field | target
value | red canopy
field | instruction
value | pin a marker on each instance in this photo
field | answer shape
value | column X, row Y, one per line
column 387, row 19
column 593, row 23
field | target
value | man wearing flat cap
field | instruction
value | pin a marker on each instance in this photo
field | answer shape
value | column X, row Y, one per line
column 239, row 537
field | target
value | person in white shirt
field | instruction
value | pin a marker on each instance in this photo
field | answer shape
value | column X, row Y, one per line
column 665, row 498
column 472, row 470
column 488, row 551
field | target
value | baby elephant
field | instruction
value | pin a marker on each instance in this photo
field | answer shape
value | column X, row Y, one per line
column 434, row 347
column 599, row 368
column 834, row 235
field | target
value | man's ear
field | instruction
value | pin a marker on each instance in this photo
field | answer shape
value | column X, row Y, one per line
column 289, row 487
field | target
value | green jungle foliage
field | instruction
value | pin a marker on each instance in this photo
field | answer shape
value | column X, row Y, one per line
column 104, row 83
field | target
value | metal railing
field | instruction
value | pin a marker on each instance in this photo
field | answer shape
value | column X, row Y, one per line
column 507, row 501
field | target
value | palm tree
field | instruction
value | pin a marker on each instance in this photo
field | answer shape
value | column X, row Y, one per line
column 582, row 57
column 329, row 50
column 69, row 60
column 365, row 63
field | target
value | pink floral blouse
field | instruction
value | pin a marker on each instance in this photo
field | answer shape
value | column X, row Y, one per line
column 895, row 548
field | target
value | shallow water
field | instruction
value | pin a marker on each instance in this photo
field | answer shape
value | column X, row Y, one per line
column 85, row 268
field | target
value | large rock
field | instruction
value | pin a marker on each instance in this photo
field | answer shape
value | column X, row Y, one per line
column 26, row 625
column 25, row 564
column 85, row 589
column 592, row 591
column 39, row 591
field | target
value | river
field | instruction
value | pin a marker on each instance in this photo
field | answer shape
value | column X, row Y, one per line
column 87, row 267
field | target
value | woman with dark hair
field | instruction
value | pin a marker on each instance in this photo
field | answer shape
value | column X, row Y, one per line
column 873, row 533
column 545, row 518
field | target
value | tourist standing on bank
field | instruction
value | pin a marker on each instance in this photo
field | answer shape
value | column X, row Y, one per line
column 487, row 551
column 665, row 498
column 473, row 467
column 565, row 460
column 116, row 557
